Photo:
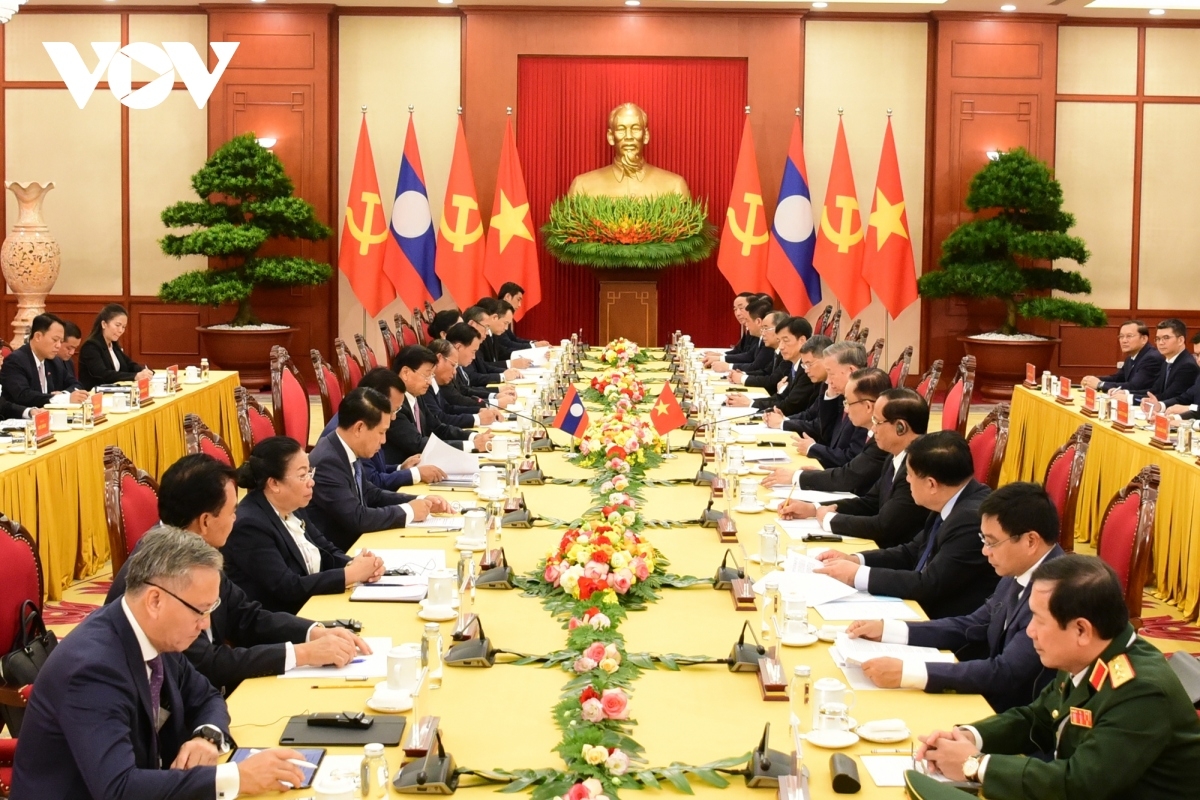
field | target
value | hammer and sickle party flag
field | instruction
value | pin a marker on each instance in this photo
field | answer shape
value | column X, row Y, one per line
column 790, row 252
column 888, row 261
column 408, row 255
column 511, row 247
column 666, row 415
column 742, row 258
column 364, row 232
column 460, row 241
column 839, row 251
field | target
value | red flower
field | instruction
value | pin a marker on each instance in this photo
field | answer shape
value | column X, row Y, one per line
column 591, row 612
column 603, row 540
column 600, row 557
column 589, row 694
column 615, row 451
column 586, row 587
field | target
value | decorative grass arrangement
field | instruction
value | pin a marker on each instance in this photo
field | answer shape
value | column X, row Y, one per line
column 629, row 232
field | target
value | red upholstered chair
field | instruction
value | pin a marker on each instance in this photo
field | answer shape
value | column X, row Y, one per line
column 900, row 367
column 390, row 346
column 5, row 349
column 1063, row 476
column 863, row 336
column 835, row 325
column 823, row 321
column 199, row 438
column 875, row 353
column 350, row 369
column 254, row 421
column 328, row 384
column 408, row 332
column 369, row 361
column 130, row 504
column 958, row 399
column 988, row 440
column 20, row 581
column 288, row 397
column 927, row 386
column 1126, row 534
column 852, row 334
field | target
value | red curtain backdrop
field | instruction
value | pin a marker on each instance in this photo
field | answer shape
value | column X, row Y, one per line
column 696, row 109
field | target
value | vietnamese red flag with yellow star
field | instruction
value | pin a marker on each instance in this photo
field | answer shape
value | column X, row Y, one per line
column 839, row 252
column 742, row 258
column 667, row 415
column 511, row 248
column 364, row 232
column 888, row 264
column 460, row 240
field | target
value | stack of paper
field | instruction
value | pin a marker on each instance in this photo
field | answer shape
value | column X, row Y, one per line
column 857, row 651
column 388, row 593
column 766, row 455
column 370, row 666
column 809, row 495
column 452, row 460
column 815, row 589
column 755, row 429
column 886, row 771
column 538, row 355
column 799, row 528
column 448, row 523
column 421, row 562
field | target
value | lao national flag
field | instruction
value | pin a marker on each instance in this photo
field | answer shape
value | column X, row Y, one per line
column 408, row 257
column 572, row 416
column 793, row 236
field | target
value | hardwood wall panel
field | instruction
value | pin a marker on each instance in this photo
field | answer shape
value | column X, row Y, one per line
column 994, row 89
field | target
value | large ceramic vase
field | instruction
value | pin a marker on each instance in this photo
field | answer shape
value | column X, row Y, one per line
column 30, row 256
column 1000, row 364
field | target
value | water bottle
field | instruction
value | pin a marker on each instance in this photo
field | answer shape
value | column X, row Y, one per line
column 204, row 370
column 799, row 696
column 30, row 437
column 135, row 398
column 1196, row 438
column 466, row 569
column 768, row 545
column 431, row 653
column 86, row 417
column 373, row 778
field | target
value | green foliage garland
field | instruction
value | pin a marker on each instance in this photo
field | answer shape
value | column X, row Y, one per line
column 245, row 201
column 629, row 232
column 994, row 256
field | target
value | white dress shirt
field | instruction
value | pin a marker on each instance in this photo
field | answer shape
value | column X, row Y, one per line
column 862, row 577
column 826, row 524
column 409, row 514
column 433, row 387
column 412, row 403
column 116, row 362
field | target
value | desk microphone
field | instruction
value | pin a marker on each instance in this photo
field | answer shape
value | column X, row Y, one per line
column 538, row 444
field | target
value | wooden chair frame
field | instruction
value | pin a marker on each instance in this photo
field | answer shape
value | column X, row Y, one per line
column 246, row 401
column 116, row 466
column 420, row 321
column 998, row 416
column 418, row 329
column 852, row 334
column 343, row 357
column 1080, row 440
column 823, row 320
column 281, row 360
column 319, row 367
column 934, row 374
column 366, row 353
column 966, row 374
column 391, row 346
column 195, row 430
column 905, row 364
column 1146, row 483
column 875, row 353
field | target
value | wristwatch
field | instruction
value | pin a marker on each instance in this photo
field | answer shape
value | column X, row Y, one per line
column 213, row 734
column 971, row 767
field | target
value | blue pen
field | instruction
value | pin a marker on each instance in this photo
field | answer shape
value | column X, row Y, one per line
column 359, row 660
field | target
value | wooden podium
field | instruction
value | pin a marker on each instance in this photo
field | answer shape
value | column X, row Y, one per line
column 628, row 305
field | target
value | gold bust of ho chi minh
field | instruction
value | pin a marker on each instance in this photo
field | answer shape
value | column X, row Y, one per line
column 628, row 175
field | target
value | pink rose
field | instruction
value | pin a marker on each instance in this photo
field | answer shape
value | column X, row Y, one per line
column 584, row 664
column 595, row 570
column 573, row 624
column 578, row 792
column 615, row 704
column 592, row 710
column 594, row 787
column 595, row 652
column 640, row 569
column 622, row 579
column 551, row 574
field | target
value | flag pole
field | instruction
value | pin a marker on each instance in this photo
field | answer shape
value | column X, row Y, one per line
column 887, row 315
column 364, row 314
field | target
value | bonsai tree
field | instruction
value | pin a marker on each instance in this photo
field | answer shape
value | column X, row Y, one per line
column 997, row 253
column 245, row 201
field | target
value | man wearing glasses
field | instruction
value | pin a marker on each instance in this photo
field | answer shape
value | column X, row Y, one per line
column 1178, row 376
column 119, row 712
column 1019, row 530
column 1141, row 363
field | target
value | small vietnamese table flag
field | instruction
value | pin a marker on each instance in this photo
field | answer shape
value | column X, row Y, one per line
column 408, row 255
column 365, row 231
column 667, row 415
column 839, row 252
column 572, row 417
column 742, row 257
column 888, row 261
column 790, row 252
column 460, row 241
column 511, row 247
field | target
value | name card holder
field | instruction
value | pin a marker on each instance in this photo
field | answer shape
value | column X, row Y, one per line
column 143, row 390
column 466, row 628
column 742, row 590
column 1161, row 439
column 1121, row 416
column 423, row 736
column 726, row 530
column 794, row 787
column 1089, row 403
column 1031, row 379
column 41, row 427
column 173, row 382
column 1063, row 393
column 772, row 682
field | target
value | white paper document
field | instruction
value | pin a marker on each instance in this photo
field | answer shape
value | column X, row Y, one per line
column 857, row 651
column 535, row 354
column 809, row 495
column 452, row 460
column 799, row 529
column 815, row 589
column 421, row 562
column 754, row 429
column 388, row 593
column 886, row 771
column 447, row 523
column 853, row 609
column 855, row 678
column 766, row 455
column 372, row 666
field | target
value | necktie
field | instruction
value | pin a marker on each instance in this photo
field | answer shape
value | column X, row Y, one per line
column 1166, row 371
column 156, row 683
column 42, row 376
column 358, row 484
column 416, row 409
column 933, row 529
column 1012, row 603
column 885, row 482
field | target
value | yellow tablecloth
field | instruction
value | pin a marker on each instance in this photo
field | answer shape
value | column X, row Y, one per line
column 58, row 494
column 1038, row 426
column 501, row 717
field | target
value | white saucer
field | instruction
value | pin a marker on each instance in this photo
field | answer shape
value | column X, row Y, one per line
column 832, row 740
column 57, row 429
column 890, row 737
column 193, row 383
column 424, row 603
column 400, row 709
column 836, row 629
column 743, row 470
column 437, row 613
column 799, row 641
column 755, row 558
column 756, row 470
column 496, row 495
column 474, row 545
column 744, row 509
column 115, row 410
column 746, row 439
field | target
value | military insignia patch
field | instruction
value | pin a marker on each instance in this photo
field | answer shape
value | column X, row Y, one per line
column 1099, row 673
column 1121, row 671
column 1081, row 717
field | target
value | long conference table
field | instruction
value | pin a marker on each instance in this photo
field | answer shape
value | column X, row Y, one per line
column 57, row 493
column 501, row 717
column 1039, row 426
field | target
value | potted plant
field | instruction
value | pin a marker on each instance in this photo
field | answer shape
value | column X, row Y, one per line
column 245, row 201
column 1006, row 253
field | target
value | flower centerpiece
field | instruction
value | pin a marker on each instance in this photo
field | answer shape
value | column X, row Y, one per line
column 617, row 388
column 620, row 443
column 620, row 352
column 599, row 562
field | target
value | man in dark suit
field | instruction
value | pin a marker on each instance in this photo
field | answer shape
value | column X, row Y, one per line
column 118, row 712
column 799, row 391
column 887, row 513
column 199, row 494
column 759, row 354
column 1179, row 373
column 514, row 295
column 825, row 407
column 33, row 373
column 1141, row 365
column 838, row 439
column 497, row 354
column 417, row 419
column 745, row 341
column 465, row 339
column 996, row 658
column 456, row 408
column 344, row 506
column 759, row 373
column 943, row 568
column 72, row 337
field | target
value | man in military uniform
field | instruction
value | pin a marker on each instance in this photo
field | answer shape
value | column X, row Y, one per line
column 1115, row 722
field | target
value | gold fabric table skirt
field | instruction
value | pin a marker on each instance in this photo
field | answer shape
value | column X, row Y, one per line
column 501, row 717
column 58, row 493
column 1038, row 426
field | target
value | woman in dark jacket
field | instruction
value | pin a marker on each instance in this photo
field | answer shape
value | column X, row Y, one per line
column 101, row 359
column 274, row 553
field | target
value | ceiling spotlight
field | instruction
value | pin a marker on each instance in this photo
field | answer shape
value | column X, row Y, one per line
column 258, row 1
column 446, row 2
column 266, row 141
column 633, row 2
column 820, row 5
column 1008, row 7
column 1157, row 12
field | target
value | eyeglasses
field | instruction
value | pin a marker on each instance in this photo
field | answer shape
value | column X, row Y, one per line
column 311, row 475
column 993, row 545
column 195, row 610
column 1170, row 337
column 856, row 402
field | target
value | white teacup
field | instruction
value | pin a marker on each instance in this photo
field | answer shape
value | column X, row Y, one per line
column 489, row 480
column 120, row 401
column 191, row 373
column 158, row 386
column 441, row 588
column 403, row 661
column 59, row 421
column 504, row 446
column 831, row 690
column 748, row 491
column 334, row 787
column 833, row 717
column 475, row 524
column 795, row 625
